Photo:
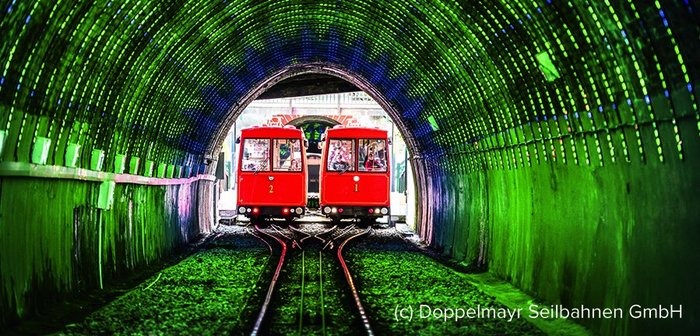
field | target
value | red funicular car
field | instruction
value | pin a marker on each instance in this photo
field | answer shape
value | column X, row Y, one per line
column 272, row 173
column 355, row 176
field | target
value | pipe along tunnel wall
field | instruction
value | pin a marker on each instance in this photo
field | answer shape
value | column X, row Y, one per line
column 55, row 242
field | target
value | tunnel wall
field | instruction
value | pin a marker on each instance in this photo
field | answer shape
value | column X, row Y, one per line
column 55, row 242
column 492, row 95
column 602, row 236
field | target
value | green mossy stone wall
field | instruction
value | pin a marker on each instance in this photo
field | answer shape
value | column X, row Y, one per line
column 54, row 242
column 600, row 236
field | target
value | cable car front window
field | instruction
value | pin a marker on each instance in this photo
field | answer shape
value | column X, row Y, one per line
column 256, row 155
column 341, row 155
column 372, row 155
column 286, row 155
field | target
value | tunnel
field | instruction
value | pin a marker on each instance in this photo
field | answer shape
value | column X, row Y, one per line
column 555, row 144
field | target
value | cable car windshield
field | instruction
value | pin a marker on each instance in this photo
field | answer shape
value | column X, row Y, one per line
column 341, row 155
column 255, row 155
column 286, row 155
column 372, row 155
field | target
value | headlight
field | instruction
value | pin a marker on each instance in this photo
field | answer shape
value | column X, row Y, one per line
column 334, row 210
column 299, row 211
column 376, row 210
column 327, row 210
column 241, row 210
column 385, row 211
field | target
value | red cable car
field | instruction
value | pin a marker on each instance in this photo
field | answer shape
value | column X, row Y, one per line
column 272, row 173
column 355, row 176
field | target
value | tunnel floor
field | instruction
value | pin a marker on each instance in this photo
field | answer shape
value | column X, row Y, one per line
column 408, row 292
column 220, row 287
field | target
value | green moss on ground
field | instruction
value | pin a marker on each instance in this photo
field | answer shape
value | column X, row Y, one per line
column 340, row 317
column 387, row 279
column 203, row 294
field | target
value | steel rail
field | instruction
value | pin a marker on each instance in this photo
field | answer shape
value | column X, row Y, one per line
column 334, row 238
column 271, row 288
column 348, row 277
column 301, row 301
column 320, row 285
column 269, row 247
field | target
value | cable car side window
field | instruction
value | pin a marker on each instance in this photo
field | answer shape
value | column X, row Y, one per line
column 256, row 155
column 286, row 155
column 372, row 155
column 341, row 155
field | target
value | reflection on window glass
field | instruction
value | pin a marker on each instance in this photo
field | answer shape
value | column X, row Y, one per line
column 372, row 155
column 256, row 155
column 341, row 155
column 286, row 155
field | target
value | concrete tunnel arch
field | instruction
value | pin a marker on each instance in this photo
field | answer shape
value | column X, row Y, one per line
column 569, row 143
column 417, row 165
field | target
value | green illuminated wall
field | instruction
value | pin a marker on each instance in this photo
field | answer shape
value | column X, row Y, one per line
column 594, row 95
column 63, row 243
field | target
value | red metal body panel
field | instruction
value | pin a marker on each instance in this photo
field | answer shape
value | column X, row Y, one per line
column 372, row 189
column 284, row 190
column 340, row 188
column 272, row 188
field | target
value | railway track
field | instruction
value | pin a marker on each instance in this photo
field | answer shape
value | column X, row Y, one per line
column 311, row 291
column 273, row 282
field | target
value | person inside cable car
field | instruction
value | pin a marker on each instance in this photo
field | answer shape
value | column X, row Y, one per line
column 339, row 157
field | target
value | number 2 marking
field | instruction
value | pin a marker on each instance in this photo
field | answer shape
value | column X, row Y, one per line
column 271, row 189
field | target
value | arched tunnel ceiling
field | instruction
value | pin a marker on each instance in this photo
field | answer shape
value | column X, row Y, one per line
column 308, row 85
column 157, row 80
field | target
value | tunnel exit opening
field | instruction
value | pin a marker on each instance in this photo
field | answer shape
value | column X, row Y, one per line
column 412, row 177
